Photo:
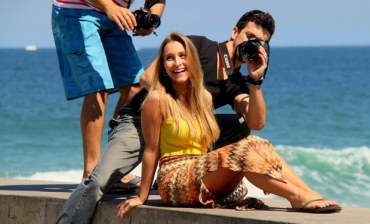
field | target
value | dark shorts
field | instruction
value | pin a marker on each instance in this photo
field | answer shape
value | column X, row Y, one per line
column 233, row 128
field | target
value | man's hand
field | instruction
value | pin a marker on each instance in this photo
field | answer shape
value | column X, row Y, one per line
column 127, row 205
column 123, row 17
column 142, row 31
column 257, row 68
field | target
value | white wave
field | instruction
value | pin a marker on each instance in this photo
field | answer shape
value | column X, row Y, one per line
column 364, row 149
column 354, row 157
column 340, row 174
column 74, row 176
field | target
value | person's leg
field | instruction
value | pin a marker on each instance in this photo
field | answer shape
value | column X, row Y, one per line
column 292, row 177
column 233, row 128
column 256, row 158
column 92, row 123
column 85, row 71
column 126, row 69
column 222, row 181
column 126, row 93
column 294, row 194
column 122, row 154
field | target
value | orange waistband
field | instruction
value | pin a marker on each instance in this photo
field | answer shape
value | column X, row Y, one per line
column 171, row 158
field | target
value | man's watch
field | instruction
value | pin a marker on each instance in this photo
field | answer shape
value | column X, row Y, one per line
column 254, row 82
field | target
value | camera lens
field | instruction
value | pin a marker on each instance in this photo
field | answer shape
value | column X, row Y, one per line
column 146, row 20
column 250, row 50
column 151, row 20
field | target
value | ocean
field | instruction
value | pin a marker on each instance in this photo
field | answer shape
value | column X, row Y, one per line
column 317, row 118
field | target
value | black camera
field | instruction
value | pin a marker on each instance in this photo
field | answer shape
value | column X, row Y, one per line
column 146, row 20
column 249, row 49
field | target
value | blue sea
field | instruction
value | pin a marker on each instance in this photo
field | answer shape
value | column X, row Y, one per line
column 318, row 118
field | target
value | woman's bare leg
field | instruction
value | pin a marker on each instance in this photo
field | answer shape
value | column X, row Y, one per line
column 222, row 181
column 296, row 195
column 293, row 178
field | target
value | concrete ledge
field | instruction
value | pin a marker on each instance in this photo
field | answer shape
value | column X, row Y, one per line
column 25, row 201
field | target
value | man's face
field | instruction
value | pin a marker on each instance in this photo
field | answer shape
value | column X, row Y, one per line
column 250, row 30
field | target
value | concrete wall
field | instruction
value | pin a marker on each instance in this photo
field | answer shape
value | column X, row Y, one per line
column 39, row 202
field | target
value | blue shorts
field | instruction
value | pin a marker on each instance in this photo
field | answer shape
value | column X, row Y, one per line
column 94, row 54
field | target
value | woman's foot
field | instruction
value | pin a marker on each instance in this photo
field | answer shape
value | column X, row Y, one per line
column 312, row 202
column 326, row 207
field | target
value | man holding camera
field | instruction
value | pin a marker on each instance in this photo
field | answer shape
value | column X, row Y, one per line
column 220, row 63
column 97, row 57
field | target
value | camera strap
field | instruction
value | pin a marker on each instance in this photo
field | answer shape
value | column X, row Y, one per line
column 129, row 4
column 225, row 58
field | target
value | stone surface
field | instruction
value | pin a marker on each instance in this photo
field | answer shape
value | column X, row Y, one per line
column 38, row 202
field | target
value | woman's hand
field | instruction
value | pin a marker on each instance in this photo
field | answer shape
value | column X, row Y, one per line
column 127, row 205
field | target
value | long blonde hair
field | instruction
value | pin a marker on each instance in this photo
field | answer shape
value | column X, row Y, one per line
column 197, row 109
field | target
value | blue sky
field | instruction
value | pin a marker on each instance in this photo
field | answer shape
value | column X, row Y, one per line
column 298, row 23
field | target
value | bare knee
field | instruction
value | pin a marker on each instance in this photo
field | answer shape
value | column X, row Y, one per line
column 222, row 181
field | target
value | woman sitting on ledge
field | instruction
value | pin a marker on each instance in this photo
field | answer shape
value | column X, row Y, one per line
column 179, row 128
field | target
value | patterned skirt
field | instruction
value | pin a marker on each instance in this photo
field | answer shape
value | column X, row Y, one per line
column 180, row 177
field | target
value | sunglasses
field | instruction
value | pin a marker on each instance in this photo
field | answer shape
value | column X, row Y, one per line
column 243, row 19
column 254, row 12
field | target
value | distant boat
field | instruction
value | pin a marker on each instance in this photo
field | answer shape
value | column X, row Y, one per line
column 31, row 47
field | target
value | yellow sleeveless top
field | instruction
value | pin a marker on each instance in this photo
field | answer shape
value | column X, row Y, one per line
column 173, row 143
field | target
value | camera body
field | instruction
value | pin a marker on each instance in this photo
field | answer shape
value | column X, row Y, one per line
column 146, row 20
column 249, row 49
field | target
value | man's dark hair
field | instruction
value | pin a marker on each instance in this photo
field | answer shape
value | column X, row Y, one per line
column 260, row 18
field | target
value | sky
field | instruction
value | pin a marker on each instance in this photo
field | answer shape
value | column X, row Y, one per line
column 298, row 23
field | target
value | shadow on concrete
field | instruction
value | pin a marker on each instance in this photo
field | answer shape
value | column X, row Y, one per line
column 127, row 194
column 120, row 198
column 40, row 187
column 116, row 197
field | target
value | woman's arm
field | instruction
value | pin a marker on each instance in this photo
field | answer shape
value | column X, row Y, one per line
column 151, row 121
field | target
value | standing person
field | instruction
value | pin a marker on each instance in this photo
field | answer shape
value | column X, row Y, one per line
column 97, row 57
column 179, row 128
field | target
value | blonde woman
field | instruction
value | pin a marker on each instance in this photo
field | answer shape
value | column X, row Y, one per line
column 179, row 127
